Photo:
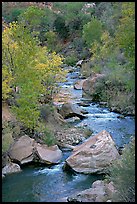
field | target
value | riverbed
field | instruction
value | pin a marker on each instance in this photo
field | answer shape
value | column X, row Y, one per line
column 37, row 183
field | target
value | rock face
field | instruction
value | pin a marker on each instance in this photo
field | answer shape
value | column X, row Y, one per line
column 26, row 150
column 48, row 155
column 11, row 168
column 22, row 150
column 89, row 84
column 100, row 192
column 94, row 155
column 69, row 110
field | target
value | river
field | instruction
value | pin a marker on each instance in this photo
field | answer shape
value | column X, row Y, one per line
column 38, row 183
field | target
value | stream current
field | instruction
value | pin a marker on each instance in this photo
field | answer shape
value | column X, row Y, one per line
column 51, row 183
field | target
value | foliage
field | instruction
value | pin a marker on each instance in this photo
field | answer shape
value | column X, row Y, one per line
column 34, row 71
column 122, row 173
column 6, row 82
column 92, row 31
column 51, row 38
column 11, row 12
column 49, row 137
column 7, row 139
column 125, row 36
column 71, row 60
column 108, row 13
column 60, row 27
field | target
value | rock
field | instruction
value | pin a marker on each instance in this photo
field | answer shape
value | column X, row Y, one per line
column 22, row 150
column 121, row 116
column 5, row 159
column 70, row 136
column 78, row 84
column 79, row 63
column 69, row 110
column 89, row 83
column 98, row 193
column 73, row 119
column 94, row 155
column 48, row 155
column 11, row 168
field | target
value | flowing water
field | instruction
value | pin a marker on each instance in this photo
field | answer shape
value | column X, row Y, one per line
column 51, row 183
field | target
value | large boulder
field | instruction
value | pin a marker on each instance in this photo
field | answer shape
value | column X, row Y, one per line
column 100, row 192
column 88, row 86
column 69, row 110
column 11, row 168
column 22, row 150
column 78, row 84
column 94, row 155
column 48, row 155
column 26, row 150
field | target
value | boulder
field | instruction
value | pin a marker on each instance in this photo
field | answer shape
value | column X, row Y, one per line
column 100, row 192
column 88, row 86
column 78, row 84
column 94, row 155
column 48, row 155
column 11, row 168
column 22, row 150
column 69, row 110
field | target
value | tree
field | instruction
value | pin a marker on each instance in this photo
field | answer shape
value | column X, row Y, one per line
column 92, row 31
column 60, row 27
column 125, row 35
column 34, row 71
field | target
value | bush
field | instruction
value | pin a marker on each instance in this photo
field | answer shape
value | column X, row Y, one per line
column 49, row 137
column 7, row 139
column 122, row 173
column 71, row 60
column 51, row 38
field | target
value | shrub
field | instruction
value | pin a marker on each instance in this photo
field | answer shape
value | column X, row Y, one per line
column 71, row 60
column 122, row 173
column 48, row 137
column 51, row 38
column 7, row 139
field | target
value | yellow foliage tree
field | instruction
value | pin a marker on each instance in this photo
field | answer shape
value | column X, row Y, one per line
column 30, row 68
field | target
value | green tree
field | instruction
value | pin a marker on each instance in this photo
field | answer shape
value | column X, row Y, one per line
column 92, row 31
column 125, row 35
column 61, row 28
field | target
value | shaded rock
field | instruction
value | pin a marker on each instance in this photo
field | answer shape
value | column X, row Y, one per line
column 22, row 150
column 48, row 155
column 69, row 110
column 11, row 168
column 78, row 84
column 5, row 159
column 100, row 192
column 94, row 155
column 89, row 84
column 73, row 119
